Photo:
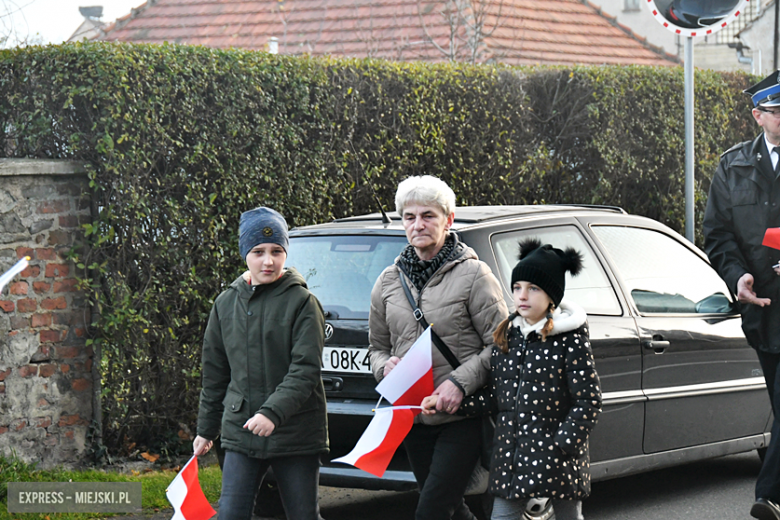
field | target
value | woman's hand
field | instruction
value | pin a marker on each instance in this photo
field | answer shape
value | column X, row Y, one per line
column 201, row 445
column 391, row 363
column 450, row 397
column 260, row 425
column 429, row 405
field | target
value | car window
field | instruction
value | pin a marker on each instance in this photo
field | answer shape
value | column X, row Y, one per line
column 663, row 275
column 591, row 289
column 341, row 270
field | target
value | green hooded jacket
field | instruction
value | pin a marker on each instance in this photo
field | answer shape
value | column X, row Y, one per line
column 262, row 353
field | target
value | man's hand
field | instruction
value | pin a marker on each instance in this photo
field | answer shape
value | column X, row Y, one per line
column 391, row 363
column 746, row 294
column 201, row 445
column 260, row 425
column 450, row 397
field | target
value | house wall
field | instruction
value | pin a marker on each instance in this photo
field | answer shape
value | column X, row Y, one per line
column 717, row 57
column 760, row 37
column 641, row 21
column 46, row 381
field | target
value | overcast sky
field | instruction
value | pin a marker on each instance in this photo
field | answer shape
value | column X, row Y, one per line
column 53, row 21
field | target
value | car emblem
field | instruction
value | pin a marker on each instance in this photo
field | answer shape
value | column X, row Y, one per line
column 328, row 331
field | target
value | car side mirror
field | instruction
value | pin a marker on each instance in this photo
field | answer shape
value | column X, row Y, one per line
column 716, row 304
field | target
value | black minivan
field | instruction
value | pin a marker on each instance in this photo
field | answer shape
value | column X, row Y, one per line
column 679, row 381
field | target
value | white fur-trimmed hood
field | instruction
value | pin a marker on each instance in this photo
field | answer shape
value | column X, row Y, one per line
column 566, row 317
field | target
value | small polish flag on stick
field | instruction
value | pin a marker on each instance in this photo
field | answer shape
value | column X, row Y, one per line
column 16, row 269
column 377, row 445
column 772, row 238
column 186, row 495
column 405, row 386
column 412, row 378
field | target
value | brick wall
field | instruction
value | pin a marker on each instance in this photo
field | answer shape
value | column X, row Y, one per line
column 46, row 401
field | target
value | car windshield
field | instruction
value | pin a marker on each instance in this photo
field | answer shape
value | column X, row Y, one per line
column 341, row 270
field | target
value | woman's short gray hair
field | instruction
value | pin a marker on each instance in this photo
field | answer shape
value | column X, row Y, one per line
column 426, row 190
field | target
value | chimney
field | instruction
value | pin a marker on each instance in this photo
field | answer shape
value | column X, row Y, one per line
column 93, row 12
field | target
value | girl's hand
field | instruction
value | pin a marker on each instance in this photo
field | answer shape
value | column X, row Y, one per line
column 260, row 425
column 429, row 405
column 201, row 445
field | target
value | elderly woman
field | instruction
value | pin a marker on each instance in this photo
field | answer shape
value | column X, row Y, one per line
column 459, row 295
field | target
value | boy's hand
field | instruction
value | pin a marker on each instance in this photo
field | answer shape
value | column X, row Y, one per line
column 201, row 445
column 260, row 425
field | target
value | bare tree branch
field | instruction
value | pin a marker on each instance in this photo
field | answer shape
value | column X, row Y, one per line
column 367, row 36
column 467, row 23
column 14, row 29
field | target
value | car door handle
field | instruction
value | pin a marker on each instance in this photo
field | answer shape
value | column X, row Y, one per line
column 659, row 346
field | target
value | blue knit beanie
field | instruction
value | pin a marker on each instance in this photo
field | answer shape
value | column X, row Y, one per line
column 261, row 226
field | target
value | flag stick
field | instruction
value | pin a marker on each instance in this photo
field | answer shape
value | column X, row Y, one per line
column 17, row 268
column 404, row 407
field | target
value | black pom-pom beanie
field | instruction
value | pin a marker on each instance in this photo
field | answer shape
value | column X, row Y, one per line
column 546, row 266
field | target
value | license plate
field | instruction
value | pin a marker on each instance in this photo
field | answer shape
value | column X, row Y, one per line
column 342, row 359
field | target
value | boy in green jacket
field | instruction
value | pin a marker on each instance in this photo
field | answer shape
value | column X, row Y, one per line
column 262, row 386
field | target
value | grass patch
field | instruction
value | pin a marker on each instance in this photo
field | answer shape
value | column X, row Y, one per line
column 153, row 484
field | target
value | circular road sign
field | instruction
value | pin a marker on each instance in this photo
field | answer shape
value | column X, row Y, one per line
column 696, row 17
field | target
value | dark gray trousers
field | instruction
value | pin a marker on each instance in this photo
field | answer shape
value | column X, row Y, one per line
column 442, row 459
column 297, row 477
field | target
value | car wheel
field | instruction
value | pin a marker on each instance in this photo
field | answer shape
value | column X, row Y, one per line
column 761, row 453
column 538, row 509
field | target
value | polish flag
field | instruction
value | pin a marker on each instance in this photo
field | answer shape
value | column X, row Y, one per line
column 772, row 238
column 412, row 378
column 13, row 271
column 186, row 496
column 405, row 386
column 384, row 434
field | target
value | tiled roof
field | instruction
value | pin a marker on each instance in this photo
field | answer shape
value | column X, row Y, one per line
column 549, row 32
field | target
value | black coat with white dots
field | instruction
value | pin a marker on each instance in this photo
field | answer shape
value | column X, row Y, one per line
column 548, row 399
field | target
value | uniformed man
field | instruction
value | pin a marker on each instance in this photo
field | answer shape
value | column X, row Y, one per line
column 744, row 201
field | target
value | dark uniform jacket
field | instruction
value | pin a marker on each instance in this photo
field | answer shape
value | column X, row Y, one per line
column 549, row 399
column 262, row 352
column 744, row 201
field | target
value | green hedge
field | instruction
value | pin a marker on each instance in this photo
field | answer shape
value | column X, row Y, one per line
column 180, row 140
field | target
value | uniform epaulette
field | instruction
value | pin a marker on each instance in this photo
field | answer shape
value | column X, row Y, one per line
column 735, row 147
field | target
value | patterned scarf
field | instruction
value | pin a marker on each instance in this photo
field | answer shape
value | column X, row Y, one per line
column 420, row 271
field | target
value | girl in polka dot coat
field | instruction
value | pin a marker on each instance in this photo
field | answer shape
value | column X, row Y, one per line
column 545, row 386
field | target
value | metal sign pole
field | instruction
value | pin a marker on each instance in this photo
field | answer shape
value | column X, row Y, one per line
column 689, row 195
column 689, row 20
